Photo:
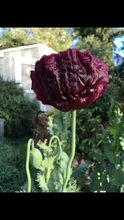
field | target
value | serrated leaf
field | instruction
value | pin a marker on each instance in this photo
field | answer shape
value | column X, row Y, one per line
column 48, row 162
column 42, row 145
column 41, row 183
column 56, row 181
column 62, row 165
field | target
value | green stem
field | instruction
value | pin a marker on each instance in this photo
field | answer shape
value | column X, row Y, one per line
column 58, row 142
column 27, row 163
column 48, row 170
column 73, row 143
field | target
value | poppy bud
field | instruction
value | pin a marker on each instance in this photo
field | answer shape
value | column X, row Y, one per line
column 35, row 157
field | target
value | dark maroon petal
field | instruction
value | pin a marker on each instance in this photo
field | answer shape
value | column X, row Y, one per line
column 69, row 80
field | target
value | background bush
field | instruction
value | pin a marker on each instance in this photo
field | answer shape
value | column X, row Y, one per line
column 16, row 109
column 13, row 164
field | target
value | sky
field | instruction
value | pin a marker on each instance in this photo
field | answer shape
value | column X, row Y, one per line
column 0, row 31
column 117, row 42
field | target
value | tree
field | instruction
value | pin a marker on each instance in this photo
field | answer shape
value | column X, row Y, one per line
column 14, row 37
column 99, row 41
column 58, row 39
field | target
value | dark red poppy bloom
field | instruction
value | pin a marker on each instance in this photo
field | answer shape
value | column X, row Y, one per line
column 69, row 80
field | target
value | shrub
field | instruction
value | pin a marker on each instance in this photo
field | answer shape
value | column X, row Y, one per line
column 108, row 169
column 88, row 131
column 16, row 109
column 12, row 164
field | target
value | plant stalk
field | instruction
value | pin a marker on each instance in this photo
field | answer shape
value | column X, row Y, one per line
column 48, row 170
column 73, row 143
column 27, row 163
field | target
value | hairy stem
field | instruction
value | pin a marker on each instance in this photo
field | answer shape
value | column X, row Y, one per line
column 58, row 142
column 48, row 170
column 27, row 163
column 73, row 142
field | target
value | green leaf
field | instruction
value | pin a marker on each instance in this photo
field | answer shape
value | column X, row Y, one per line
column 95, row 182
column 110, row 155
column 106, row 186
column 42, row 145
column 122, row 141
column 78, row 172
column 123, row 157
column 103, row 177
column 62, row 165
column 98, row 154
column 110, row 168
column 48, row 162
column 56, row 181
column 63, row 156
column 119, row 177
column 81, row 179
column 116, row 128
column 93, row 129
column 42, row 184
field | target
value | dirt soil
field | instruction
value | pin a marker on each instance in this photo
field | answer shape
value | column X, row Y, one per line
column 41, row 132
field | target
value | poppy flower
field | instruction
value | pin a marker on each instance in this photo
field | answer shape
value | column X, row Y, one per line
column 69, row 80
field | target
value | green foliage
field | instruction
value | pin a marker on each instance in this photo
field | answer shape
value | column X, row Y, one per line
column 118, row 72
column 14, row 37
column 91, row 121
column 64, row 157
column 12, row 164
column 24, row 187
column 60, row 125
column 116, row 127
column 16, row 109
column 56, row 38
column 117, row 82
column 88, row 130
column 35, row 103
column 110, row 177
column 52, row 171
column 79, row 173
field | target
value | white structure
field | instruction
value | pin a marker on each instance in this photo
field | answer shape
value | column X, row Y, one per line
column 16, row 63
